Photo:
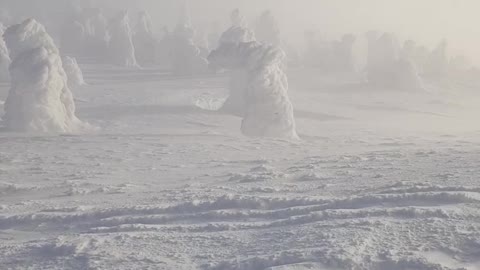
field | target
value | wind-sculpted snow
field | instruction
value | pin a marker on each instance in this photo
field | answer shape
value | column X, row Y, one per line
column 39, row 99
column 268, row 110
column 144, row 40
column 187, row 57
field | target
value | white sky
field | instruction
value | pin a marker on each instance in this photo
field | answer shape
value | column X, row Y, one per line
column 426, row 21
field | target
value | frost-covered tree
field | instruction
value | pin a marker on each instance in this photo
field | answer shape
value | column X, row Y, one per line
column 144, row 40
column 73, row 71
column 236, row 34
column 121, row 48
column 267, row 30
column 268, row 111
column 186, row 56
column 74, row 38
column 5, row 60
column 437, row 63
column 98, row 34
column 39, row 99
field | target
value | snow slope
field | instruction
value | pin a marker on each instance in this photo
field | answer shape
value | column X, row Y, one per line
column 380, row 180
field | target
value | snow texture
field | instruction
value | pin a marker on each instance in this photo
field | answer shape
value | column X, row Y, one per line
column 268, row 112
column 121, row 48
column 39, row 99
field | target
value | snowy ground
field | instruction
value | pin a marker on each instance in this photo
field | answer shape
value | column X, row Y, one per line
column 380, row 180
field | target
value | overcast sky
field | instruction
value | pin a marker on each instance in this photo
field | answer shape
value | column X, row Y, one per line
column 426, row 21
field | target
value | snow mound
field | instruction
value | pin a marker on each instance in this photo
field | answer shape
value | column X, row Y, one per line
column 387, row 68
column 268, row 112
column 73, row 71
column 122, row 51
column 39, row 99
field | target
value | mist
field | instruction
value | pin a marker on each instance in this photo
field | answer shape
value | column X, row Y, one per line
column 239, row 134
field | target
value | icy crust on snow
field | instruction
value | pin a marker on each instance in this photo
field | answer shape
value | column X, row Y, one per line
column 73, row 71
column 5, row 60
column 268, row 110
column 121, row 48
column 39, row 99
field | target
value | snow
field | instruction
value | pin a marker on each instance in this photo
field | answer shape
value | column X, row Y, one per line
column 5, row 60
column 380, row 180
column 268, row 111
column 386, row 67
column 318, row 168
column 187, row 57
column 39, row 99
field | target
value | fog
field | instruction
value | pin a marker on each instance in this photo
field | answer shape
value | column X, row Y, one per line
column 426, row 21
column 239, row 134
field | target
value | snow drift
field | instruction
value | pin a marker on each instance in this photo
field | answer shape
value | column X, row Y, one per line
column 121, row 49
column 268, row 112
column 144, row 40
column 39, row 99
column 267, row 29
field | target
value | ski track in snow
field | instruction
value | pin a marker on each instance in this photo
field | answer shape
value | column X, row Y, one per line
column 168, row 183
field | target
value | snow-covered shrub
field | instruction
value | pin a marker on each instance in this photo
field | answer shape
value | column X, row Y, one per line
column 39, row 99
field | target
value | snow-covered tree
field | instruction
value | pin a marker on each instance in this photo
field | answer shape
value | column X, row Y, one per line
column 268, row 111
column 186, row 56
column 437, row 63
column 73, row 71
column 267, row 30
column 5, row 60
column 144, row 40
column 74, row 38
column 236, row 34
column 121, row 48
column 98, row 34
column 39, row 99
